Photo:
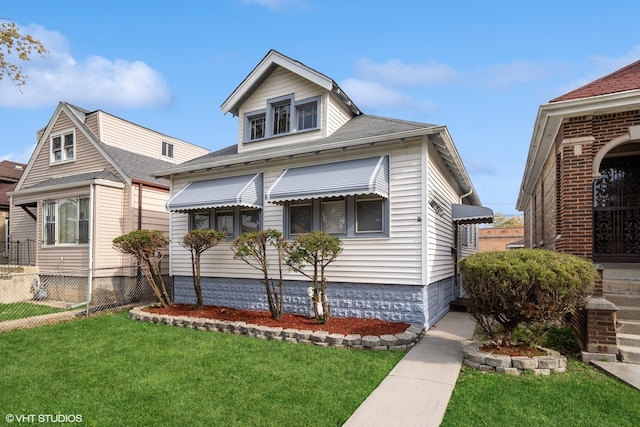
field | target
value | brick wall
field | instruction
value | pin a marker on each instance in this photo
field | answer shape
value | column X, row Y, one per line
column 562, row 201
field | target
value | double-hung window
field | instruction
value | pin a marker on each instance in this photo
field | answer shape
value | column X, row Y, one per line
column 233, row 220
column 66, row 221
column 167, row 150
column 348, row 217
column 63, row 147
column 283, row 116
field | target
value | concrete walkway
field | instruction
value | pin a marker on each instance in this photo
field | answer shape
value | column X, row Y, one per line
column 417, row 390
column 625, row 372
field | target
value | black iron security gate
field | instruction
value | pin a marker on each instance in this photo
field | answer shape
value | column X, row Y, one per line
column 616, row 211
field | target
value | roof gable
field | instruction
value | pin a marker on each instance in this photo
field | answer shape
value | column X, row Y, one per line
column 266, row 67
column 622, row 80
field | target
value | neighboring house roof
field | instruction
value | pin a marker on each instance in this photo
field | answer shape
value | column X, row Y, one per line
column 516, row 244
column 137, row 166
column 77, row 178
column 627, row 78
column 272, row 60
column 618, row 91
column 10, row 173
column 360, row 130
column 131, row 166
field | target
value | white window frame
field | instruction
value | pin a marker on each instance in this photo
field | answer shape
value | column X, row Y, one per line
column 64, row 155
column 269, row 115
column 80, row 217
column 167, row 150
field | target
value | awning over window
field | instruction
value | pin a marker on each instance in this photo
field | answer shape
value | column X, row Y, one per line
column 244, row 190
column 348, row 178
column 470, row 214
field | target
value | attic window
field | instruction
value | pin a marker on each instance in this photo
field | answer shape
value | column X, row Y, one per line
column 167, row 150
column 283, row 116
column 63, row 147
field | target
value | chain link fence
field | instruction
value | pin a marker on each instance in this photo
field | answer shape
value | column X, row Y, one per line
column 34, row 298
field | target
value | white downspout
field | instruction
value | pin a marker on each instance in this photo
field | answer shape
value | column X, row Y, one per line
column 466, row 195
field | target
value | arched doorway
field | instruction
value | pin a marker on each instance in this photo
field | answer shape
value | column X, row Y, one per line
column 616, row 211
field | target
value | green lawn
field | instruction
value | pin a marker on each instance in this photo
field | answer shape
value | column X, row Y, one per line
column 21, row 310
column 583, row 396
column 115, row 371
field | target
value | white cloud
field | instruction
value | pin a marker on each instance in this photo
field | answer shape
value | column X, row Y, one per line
column 92, row 81
column 375, row 95
column 606, row 65
column 396, row 73
column 20, row 157
column 503, row 76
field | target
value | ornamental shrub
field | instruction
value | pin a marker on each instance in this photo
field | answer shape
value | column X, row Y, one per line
column 524, row 287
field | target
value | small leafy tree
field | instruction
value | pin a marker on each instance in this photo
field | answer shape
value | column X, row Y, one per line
column 252, row 249
column 524, row 287
column 147, row 247
column 198, row 241
column 12, row 41
column 316, row 249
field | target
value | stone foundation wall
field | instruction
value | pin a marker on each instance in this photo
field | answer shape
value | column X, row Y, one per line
column 394, row 303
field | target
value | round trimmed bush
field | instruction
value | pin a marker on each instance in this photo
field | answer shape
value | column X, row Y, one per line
column 524, row 286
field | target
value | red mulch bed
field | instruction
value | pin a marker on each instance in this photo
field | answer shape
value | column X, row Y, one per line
column 512, row 350
column 338, row 325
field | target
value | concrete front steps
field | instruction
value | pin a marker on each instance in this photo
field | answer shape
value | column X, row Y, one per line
column 621, row 286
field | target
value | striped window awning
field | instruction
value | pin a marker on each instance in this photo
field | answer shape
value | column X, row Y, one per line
column 243, row 190
column 471, row 214
column 347, row 178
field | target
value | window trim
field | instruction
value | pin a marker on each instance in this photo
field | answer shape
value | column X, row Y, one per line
column 167, row 150
column 63, row 157
column 350, row 227
column 236, row 212
column 46, row 224
column 268, row 114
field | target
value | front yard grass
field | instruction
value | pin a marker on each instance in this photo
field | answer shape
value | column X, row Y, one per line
column 21, row 310
column 583, row 396
column 115, row 371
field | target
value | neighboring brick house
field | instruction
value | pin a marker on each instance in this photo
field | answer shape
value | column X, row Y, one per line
column 500, row 239
column 580, row 192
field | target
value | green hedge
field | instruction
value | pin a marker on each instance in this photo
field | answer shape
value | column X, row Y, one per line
column 523, row 287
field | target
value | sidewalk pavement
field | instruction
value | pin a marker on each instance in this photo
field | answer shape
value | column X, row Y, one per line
column 626, row 372
column 417, row 390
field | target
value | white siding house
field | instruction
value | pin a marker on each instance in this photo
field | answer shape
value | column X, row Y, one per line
column 308, row 159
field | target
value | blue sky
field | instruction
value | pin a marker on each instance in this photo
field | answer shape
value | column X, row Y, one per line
column 480, row 68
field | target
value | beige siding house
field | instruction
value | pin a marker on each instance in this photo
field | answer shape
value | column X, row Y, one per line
column 308, row 159
column 88, row 181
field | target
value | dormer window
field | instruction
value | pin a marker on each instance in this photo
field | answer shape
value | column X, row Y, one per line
column 63, row 147
column 167, row 150
column 283, row 116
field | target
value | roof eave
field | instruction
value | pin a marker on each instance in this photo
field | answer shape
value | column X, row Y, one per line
column 550, row 117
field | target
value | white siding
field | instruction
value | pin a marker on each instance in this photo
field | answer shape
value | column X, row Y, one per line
column 131, row 137
column 441, row 191
column 392, row 260
column 109, row 224
column 282, row 82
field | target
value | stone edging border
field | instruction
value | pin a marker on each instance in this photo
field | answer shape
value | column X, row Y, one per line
column 553, row 362
column 402, row 341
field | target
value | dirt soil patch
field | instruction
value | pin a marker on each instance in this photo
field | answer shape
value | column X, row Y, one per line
column 337, row 325
column 512, row 350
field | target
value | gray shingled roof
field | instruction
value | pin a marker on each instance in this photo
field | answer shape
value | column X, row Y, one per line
column 81, row 177
column 137, row 166
column 359, row 127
